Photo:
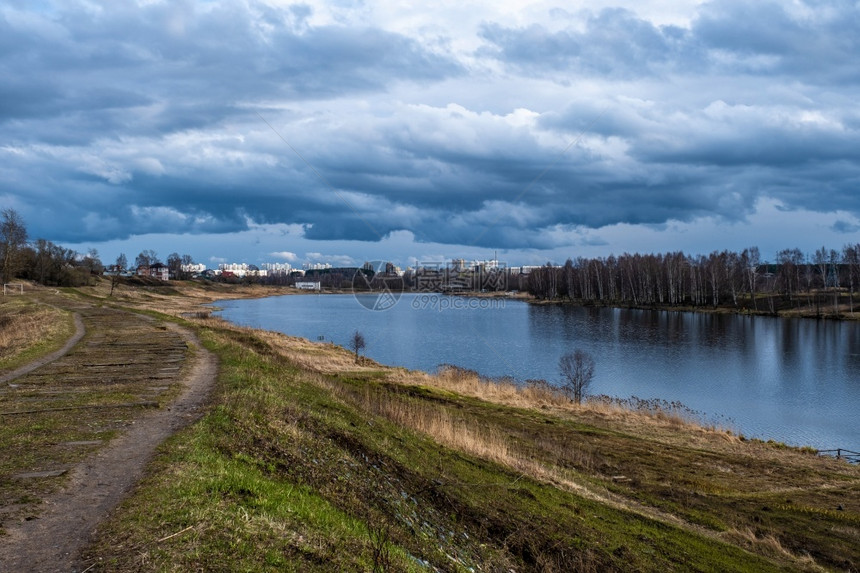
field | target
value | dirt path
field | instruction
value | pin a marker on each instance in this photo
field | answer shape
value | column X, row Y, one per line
column 52, row 542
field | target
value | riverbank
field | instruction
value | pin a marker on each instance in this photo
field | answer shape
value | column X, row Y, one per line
column 309, row 461
column 784, row 308
column 794, row 381
column 825, row 311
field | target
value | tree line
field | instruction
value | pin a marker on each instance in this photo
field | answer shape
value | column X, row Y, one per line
column 50, row 264
column 722, row 278
column 41, row 261
column 740, row 280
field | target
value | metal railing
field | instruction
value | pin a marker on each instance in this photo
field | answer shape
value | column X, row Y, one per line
column 842, row 454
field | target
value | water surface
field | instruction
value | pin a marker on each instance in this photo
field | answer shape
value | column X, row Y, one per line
column 792, row 380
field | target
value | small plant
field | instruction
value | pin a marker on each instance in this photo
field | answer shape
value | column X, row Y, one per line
column 357, row 344
column 380, row 536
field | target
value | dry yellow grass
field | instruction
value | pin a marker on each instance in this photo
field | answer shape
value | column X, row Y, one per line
column 552, row 401
column 25, row 325
column 439, row 423
column 178, row 298
column 769, row 545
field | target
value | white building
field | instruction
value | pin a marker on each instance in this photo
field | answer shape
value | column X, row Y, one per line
column 277, row 268
column 193, row 268
column 491, row 265
column 241, row 270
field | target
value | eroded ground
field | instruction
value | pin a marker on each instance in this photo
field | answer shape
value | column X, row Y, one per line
column 76, row 432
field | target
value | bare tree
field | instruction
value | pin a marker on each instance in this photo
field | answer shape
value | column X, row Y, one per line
column 13, row 239
column 577, row 372
column 357, row 343
column 92, row 262
column 118, row 269
column 146, row 258
column 851, row 258
column 174, row 263
column 753, row 261
column 186, row 262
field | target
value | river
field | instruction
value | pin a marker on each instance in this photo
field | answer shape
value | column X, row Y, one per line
column 791, row 380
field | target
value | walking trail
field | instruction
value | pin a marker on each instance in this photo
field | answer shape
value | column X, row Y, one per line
column 116, row 347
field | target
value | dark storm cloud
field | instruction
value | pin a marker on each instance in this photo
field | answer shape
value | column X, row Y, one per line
column 759, row 103
column 85, row 78
column 191, row 65
column 119, row 119
column 845, row 227
column 820, row 45
column 760, row 38
column 615, row 42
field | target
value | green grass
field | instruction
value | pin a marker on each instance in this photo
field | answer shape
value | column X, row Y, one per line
column 241, row 519
column 294, row 470
column 284, row 474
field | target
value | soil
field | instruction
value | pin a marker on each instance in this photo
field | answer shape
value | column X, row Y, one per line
column 52, row 537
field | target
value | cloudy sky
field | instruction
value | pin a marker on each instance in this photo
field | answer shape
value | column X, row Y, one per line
column 265, row 131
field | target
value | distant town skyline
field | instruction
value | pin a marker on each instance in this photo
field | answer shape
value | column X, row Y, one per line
column 344, row 132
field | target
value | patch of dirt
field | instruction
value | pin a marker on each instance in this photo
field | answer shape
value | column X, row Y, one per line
column 52, row 540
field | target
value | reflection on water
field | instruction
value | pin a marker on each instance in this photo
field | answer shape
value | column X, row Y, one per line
column 796, row 381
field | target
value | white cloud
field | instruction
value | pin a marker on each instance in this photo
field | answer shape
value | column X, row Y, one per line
column 285, row 255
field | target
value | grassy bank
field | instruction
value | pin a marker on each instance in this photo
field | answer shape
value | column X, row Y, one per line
column 307, row 461
column 29, row 330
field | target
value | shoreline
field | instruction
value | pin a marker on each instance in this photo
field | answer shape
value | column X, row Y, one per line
column 809, row 311
column 429, row 455
column 801, row 313
column 805, row 312
column 701, row 414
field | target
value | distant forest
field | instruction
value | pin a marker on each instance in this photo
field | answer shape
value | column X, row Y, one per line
column 823, row 282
